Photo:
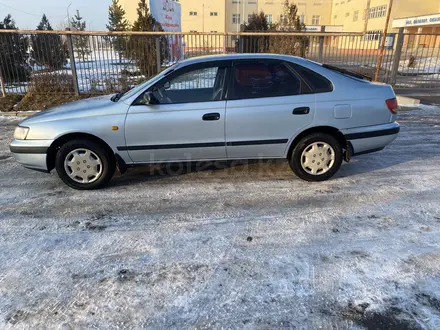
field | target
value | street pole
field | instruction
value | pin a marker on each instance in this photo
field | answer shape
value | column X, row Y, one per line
column 382, row 45
column 68, row 16
column 244, row 3
column 238, row 17
column 367, row 15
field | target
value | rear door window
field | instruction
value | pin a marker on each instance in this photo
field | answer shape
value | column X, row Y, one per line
column 261, row 79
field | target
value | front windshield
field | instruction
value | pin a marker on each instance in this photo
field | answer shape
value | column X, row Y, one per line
column 142, row 86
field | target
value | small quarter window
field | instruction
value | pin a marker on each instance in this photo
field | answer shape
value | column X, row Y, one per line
column 316, row 82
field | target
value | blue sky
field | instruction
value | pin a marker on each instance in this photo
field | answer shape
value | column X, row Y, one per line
column 27, row 13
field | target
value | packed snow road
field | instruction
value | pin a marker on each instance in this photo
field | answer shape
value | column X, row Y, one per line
column 241, row 246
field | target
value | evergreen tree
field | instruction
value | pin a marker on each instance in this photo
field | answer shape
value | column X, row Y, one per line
column 117, row 22
column 80, row 43
column 257, row 22
column 257, row 44
column 297, row 45
column 48, row 50
column 142, row 49
column 14, row 55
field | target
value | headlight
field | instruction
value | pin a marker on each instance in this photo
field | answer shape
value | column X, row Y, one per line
column 21, row 133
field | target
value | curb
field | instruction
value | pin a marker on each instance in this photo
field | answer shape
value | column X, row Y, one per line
column 405, row 100
column 18, row 113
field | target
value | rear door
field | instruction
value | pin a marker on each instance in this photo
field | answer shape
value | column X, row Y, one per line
column 268, row 104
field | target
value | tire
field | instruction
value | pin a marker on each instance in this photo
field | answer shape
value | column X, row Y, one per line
column 317, row 164
column 93, row 164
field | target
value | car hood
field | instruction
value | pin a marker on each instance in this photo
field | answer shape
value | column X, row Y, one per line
column 94, row 106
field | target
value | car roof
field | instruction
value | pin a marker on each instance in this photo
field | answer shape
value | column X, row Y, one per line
column 250, row 56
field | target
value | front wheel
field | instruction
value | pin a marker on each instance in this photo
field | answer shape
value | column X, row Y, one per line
column 316, row 157
column 84, row 165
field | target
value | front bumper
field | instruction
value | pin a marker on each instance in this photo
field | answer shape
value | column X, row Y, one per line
column 31, row 153
column 371, row 138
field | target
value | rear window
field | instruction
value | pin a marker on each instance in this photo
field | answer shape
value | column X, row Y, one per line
column 317, row 83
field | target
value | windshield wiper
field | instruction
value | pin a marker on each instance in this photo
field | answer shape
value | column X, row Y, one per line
column 347, row 72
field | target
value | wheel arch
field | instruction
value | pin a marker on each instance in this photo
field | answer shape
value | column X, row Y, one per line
column 61, row 140
column 319, row 129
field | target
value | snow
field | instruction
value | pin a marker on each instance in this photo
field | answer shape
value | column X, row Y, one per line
column 98, row 72
column 240, row 247
column 421, row 66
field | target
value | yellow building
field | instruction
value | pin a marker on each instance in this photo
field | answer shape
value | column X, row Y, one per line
column 416, row 16
column 353, row 16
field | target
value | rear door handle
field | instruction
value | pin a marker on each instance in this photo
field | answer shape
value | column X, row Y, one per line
column 211, row 116
column 301, row 111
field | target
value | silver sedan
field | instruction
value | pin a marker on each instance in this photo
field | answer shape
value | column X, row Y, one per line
column 249, row 106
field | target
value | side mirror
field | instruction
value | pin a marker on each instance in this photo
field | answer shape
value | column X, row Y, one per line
column 149, row 98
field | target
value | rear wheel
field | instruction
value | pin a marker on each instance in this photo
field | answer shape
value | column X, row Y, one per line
column 316, row 157
column 84, row 165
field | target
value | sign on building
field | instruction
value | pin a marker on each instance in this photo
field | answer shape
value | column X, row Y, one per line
column 169, row 14
column 417, row 21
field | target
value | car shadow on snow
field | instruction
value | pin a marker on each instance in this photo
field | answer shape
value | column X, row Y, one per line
column 255, row 170
column 224, row 170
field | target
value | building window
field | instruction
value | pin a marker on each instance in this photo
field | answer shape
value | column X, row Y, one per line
column 192, row 13
column 236, row 19
column 213, row 13
column 284, row 19
column 302, row 19
column 377, row 12
column 269, row 19
column 315, row 20
column 372, row 35
column 355, row 15
column 249, row 18
column 252, row 2
column 236, row 1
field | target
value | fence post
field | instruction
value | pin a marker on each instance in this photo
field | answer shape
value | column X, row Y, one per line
column 241, row 41
column 72, row 63
column 225, row 44
column 321, row 46
column 2, row 84
column 158, row 59
column 397, row 55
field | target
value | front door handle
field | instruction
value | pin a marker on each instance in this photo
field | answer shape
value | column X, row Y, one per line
column 211, row 116
column 301, row 111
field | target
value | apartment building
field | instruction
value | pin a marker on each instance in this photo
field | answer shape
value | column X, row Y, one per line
column 416, row 16
column 354, row 17
column 228, row 15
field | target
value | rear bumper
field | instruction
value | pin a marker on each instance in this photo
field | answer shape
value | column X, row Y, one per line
column 371, row 138
column 31, row 153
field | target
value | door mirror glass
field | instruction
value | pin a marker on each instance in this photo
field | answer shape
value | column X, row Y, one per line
column 149, row 98
column 167, row 85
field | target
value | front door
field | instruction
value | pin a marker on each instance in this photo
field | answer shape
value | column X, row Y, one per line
column 188, row 121
column 268, row 104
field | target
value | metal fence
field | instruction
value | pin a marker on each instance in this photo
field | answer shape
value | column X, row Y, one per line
column 74, row 62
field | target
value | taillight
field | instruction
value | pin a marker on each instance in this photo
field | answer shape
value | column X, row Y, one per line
column 392, row 105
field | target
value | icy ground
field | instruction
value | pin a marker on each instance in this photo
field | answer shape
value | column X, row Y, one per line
column 243, row 247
